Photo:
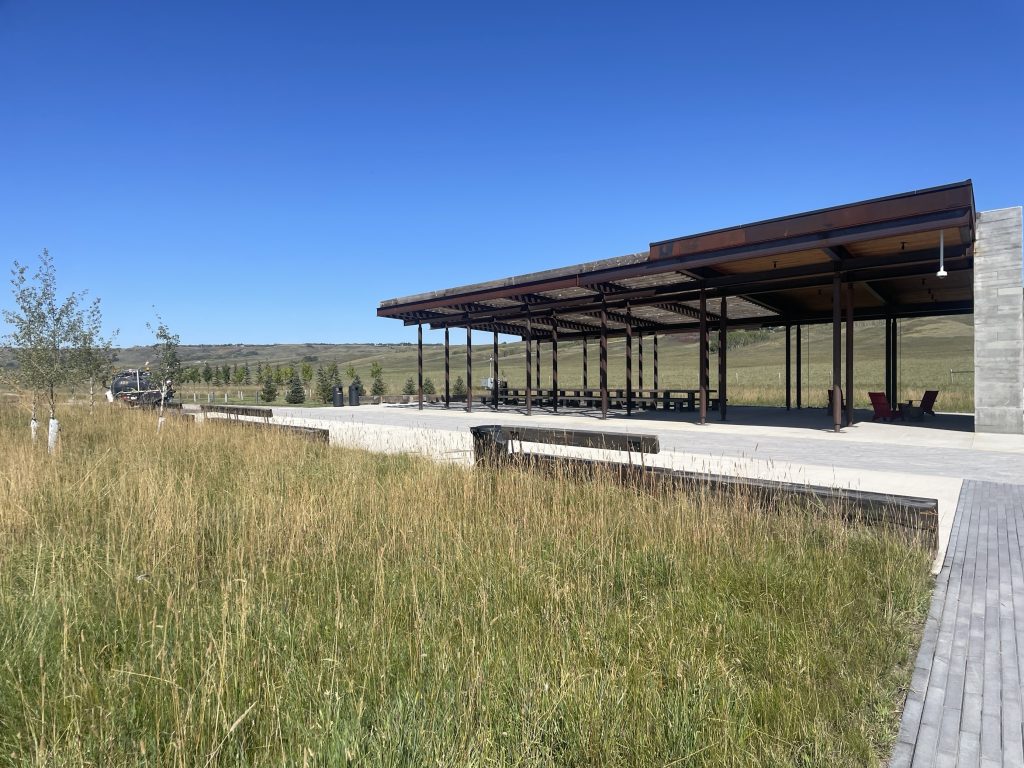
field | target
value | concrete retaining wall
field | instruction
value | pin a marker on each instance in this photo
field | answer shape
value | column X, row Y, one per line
column 999, row 322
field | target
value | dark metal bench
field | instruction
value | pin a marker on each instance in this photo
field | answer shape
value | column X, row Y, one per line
column 494, row 443
column 234, row 411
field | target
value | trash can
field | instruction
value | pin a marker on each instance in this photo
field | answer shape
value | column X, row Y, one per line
column 353, row 394
column 490, row 446
column 339, row 397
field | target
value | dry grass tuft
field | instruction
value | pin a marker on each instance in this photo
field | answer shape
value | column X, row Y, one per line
column 229, row 597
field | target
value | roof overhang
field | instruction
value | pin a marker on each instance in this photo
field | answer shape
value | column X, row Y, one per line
column 768, row 273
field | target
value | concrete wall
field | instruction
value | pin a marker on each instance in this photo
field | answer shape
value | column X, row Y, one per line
column 998, row 323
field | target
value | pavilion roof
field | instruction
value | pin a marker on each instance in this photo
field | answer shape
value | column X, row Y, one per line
column 769, row 273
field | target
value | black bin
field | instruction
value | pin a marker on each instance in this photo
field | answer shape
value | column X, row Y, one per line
column 490, row 444
column 353, row 394
column 339, row 397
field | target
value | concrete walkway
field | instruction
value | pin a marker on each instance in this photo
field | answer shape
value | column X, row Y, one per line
column 964, row 707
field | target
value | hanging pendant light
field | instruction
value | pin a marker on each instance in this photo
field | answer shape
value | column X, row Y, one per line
column 942, row 255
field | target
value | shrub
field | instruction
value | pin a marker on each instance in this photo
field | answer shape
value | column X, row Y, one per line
column 296, row 392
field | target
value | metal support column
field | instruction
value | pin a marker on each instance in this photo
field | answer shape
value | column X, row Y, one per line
column 640, row 362
column 604, row 363
column 703, row 375
column 888, row 361
column 837, row 358
column 655, row 361
column 799, row 369
column 419, row 364
column 629, row 361
column 723, row 366
column 495, row 379
column 529, row 366
column 447, row 372
column 554, row 367
column 585, row 382
column 849, row 354
column 469, row 369
column 540, row 398
column 789, row 368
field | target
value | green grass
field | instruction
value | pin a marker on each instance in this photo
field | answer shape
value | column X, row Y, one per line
column 224, row 596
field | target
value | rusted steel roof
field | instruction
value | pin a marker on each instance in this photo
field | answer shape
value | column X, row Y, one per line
column 769, row 273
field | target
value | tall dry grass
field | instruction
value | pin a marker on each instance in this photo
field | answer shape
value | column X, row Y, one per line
column 226, row 596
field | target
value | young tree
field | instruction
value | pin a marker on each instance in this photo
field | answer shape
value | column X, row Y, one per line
column 47, row 336
column 379, row 387
column 409, row 388
column 350, row 373
column 296, row 391
column 237, row 375
column 459, row 387
column 307, row 373
column 246, row 374
column 225, row 373
column 323, row 389
column 96, row 352
column 216, row 376
column 428, row 386
column 168, row 364
column 359, row 385
column 269, row 391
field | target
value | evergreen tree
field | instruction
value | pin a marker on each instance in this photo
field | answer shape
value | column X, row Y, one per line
column 307, row 373
column 246, row 375
column 359, row 385
column 324, row 386
column 207, row 373
column 269, row 392
column 296, row 392
column 459, row 387
column 410, row 387
column 428, row 387
column 379, row 387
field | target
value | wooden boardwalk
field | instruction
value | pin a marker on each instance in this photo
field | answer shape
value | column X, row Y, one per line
column 964, row 707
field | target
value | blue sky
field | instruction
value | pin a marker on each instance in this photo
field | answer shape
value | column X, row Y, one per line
column 267, row 172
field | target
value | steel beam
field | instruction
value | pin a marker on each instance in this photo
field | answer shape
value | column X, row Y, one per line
column 799, row 367
column 496, row 376
column 837, row 360
column 629, row 366
column 554, row 368
column 789, row 368
column 703, row 375
column 529, row 366
column 419, row 365
column 849, row 354
column 469, row 370
column 723, row 351
column 604, row 365
column 447, row 372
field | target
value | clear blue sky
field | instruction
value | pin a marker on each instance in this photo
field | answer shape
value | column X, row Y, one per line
column 268, row 171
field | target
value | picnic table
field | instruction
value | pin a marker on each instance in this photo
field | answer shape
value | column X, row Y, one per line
column 665, row 398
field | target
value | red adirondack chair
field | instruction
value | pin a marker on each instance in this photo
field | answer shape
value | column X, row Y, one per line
column 928, row 401
column 880, row 404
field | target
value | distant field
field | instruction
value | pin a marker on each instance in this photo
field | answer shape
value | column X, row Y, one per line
column 218, row 596
column 930, row 349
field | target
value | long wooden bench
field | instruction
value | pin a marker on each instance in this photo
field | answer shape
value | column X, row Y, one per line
column 234, row 411
column 495, row 444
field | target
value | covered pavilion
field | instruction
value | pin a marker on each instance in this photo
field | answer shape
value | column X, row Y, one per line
column 902, row 256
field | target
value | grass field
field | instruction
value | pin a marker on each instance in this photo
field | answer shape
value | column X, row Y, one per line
column 222, row 596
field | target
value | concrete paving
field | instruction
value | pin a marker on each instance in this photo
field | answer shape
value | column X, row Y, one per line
column 964, row 707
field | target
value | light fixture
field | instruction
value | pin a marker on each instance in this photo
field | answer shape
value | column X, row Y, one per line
column 942, row 255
